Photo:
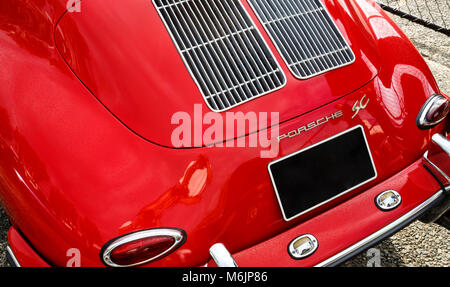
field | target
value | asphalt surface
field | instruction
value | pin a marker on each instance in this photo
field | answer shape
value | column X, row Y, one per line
column 418, row 244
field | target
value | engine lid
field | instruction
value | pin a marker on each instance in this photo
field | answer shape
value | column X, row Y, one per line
column 124, row 54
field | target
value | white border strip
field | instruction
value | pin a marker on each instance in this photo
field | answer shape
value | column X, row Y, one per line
column 380, row 232
column 310, row 147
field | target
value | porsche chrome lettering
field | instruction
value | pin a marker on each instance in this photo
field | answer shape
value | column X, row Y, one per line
column 311, row 125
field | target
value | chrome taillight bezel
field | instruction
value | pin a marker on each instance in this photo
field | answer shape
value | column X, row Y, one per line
column 433, row 101
column 178, row 235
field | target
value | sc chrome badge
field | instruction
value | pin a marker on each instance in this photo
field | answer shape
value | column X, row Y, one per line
column 360, row 105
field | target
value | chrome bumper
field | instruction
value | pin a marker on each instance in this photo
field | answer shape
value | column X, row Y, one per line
column 431, row 209
column 441, row 176
column 220, row 254
column 385, row 232
column 11, row 257
column 224, row 259
column 442, row 142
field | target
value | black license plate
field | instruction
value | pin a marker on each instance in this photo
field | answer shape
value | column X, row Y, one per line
column 322, row 172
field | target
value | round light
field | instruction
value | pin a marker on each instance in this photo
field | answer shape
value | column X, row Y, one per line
column 142, row 247
column 303, row 246
column 388, row 200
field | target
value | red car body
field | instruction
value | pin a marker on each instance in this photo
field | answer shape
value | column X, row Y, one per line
column 85, row 152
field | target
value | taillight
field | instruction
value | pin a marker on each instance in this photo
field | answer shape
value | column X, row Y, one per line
column 434, row 111
column 142, row 247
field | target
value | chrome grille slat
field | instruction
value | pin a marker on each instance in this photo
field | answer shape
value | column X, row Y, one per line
column 183, row 44
column 222, row 49
column 316, row 66
column 285, row 32
column 248, row 45
column 325, row 29
column 255, row 65
column 319, row 45
column 240, row 54
column 321, row 38
column 215, row 70
column 222, row 68
column 304, row 34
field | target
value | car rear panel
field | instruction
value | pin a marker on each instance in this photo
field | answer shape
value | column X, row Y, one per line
column 72, row 176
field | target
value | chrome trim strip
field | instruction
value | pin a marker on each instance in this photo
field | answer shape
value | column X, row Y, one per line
column 310, row 147
column 442, row 142
column 13, row 257
column 175, row 234
column 222, row 256
column 425, row 156
column 380, row 232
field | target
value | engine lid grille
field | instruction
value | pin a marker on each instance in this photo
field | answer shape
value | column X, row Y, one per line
column 222, row 49
column 305, row 35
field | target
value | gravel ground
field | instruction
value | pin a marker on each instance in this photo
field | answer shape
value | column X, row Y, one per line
column 418, row 244
column 4, row 226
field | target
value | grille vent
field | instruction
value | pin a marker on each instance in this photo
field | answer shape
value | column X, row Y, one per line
column 305, row 35
column 222, row 49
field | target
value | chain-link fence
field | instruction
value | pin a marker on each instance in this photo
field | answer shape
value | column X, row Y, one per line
column 434, row 14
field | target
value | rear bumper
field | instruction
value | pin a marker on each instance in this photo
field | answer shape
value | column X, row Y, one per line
column 353, row 228
column 385, row 232
column 437, row 161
